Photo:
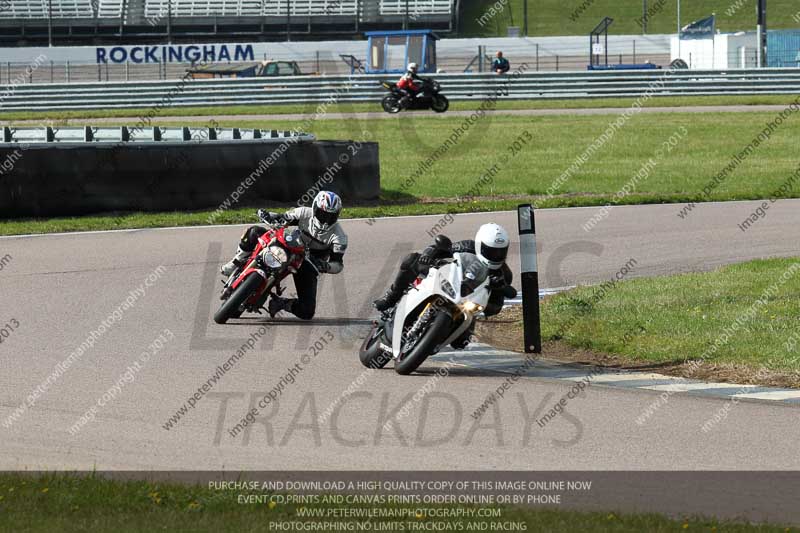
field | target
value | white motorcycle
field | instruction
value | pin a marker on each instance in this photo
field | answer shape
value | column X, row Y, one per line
column 437, row 310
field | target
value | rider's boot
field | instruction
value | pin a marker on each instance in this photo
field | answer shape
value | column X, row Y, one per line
column 278, row 304
column 388, row 300
column 238, row 260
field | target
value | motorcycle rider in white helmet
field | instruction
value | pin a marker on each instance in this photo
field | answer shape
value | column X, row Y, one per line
column 406, row 84
column 325, row 241
column 490, row 245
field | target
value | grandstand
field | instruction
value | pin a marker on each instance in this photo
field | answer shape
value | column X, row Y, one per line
column 62, row 22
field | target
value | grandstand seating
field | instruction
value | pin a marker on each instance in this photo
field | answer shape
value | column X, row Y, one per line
column 85, row 21
column 78, row 9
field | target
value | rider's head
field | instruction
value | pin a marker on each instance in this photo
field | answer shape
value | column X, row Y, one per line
column 412, row 68
column 491, row 245
column 327, row 206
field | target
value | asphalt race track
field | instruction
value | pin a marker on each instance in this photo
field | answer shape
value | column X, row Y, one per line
column 58, row 289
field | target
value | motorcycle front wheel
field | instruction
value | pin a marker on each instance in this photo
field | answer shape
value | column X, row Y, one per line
column 371, row 355
column 440, row 327
column 391, row 104
column 232, row 308
column 440, row 103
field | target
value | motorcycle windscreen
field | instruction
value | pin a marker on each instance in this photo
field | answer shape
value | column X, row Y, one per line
column 475, row 273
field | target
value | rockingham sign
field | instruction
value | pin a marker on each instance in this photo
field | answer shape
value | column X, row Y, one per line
column 175, row 53
column 152, row 53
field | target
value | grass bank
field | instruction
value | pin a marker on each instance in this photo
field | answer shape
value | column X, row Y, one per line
column 739, row 323
column 503, row 160
column 552, row 17
column 70, row 503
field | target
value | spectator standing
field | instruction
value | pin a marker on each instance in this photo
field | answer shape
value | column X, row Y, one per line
column 500, row 65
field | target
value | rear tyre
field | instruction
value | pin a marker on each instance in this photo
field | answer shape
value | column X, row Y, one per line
column 391, row 104
column 437, row 332
column 232, row 308
column 371, row 355
column 440, row 103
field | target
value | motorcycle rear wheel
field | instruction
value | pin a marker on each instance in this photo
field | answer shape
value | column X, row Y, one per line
column 440, row 103
column 232, row 306
column 391, row 104
column 370, row 354
column 440, row 327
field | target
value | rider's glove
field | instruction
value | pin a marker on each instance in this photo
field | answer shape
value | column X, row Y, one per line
column 321, row 265
column 272, row 218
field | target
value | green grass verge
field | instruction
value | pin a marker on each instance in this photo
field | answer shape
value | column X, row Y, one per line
column 554, row 17
column 309, row 110
column 67, row 503
column 453, row 182
column 688, row 317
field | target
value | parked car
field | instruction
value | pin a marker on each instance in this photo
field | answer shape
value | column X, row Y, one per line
column 262, row 69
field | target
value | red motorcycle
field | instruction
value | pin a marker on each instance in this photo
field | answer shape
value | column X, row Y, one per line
column 279, row 252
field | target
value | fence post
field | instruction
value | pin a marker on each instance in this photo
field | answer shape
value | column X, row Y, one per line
column 556, row 62
column 537, row 57
column 67, row 69
column 530, row 279
column 634, row 50
column 52, row 66
column 99, row 72
column 127, row 71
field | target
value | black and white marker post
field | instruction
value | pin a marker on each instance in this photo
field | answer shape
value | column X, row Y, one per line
column 530, row 279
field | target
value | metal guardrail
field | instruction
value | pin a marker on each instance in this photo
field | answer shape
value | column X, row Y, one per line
column 366, row 88
column 138, row 135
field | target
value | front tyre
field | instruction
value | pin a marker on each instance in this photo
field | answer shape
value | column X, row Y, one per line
column 440, row 103
column 232, row 308
column 437, row 332
column 391, row 104
column 371, row 354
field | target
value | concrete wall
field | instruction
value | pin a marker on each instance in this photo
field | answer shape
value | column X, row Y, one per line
column 83, row 178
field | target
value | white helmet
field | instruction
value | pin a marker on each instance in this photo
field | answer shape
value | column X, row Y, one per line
column 327, row 206
column 412, row 67
column 491, row 245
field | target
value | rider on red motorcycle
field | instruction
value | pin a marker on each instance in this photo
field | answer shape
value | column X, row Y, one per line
column 406, row 83
column 324, row 239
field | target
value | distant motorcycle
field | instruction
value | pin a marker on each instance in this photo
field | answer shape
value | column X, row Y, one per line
column 437, row 310
column 279, row 252
column 429, row 97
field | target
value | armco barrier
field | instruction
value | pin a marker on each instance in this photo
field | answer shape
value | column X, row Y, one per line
column 74, row 178
column 311, row 90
